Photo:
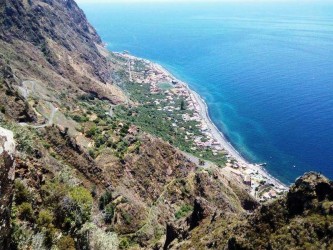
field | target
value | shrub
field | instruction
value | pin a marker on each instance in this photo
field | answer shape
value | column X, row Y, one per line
column 25, row 211
column 93, row 191
column 182, row 105
column 93, row 237
column 101, row 140
column 127, row 217
column 66, row 243
column 50, row 236
column 124, row 243
column 92, row 131
column 92, row 153
column 105, row 199
column 53, row 193
column 77, row 118
column 75, row 208
column 22, row 194
column 83, row 200
column 45, row 219
column 109, row 213
column 183, row 211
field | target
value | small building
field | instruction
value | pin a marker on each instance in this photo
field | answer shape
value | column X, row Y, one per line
column 272, row 194
column 247, row 180
column 133, row 130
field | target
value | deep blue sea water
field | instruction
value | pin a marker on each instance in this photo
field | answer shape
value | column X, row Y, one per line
column 265, row 71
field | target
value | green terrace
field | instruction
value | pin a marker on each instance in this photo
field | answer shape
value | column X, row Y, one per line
column 151, row 112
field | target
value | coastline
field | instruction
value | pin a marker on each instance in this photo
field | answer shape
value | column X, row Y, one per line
column 218, row 134
column 231, row 149
column 244, row 168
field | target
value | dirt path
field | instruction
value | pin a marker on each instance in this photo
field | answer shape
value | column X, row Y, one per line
column 54, row 110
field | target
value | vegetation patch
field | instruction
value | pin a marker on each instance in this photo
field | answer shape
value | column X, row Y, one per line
column 183, row 211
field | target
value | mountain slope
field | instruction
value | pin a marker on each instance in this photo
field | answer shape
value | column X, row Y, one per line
column 51, row 41
column 300, row 220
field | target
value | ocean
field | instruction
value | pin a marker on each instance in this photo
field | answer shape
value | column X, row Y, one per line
column 265, row 71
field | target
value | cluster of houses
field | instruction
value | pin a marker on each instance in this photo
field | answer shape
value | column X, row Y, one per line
column 259, row 185
column 153, row 75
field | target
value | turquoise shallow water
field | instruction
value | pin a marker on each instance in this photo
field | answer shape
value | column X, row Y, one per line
column 265, row 71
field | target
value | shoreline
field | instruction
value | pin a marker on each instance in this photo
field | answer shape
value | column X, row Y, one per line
column 218, row 134
column 244, row 167
column 230, row 148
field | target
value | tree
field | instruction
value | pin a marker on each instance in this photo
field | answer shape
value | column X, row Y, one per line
column 182, row 105
column 75, row 208
column 109, row 212
column 104, row 200
column 201, row 162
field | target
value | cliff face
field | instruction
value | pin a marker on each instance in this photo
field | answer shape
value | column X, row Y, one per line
column 7, row 168
column 52, row 41
column 48, row 25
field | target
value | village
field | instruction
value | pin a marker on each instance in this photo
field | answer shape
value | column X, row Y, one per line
column 260, row 184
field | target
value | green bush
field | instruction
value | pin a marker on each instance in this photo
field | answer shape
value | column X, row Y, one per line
column 74, row 209
column 22, row 194
column 127, row 217
column 25, row 211
column 109, row 213
column 45, row 219
column 124, row 243
column 105, row 199
column 101, row 140
column 50, row 236
column 79, row 119
column 92, row 153
column 83, row 199
column 183, row 211
column 53, row 193
column 92, row 131
column 66, row 243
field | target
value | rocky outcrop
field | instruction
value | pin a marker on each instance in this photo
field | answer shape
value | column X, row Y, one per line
column 7, row 150
column 307, row 192
column 201, row 210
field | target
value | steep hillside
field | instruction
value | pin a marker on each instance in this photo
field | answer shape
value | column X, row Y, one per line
column 300, row 220
column 87, row 178
column 52, row 43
